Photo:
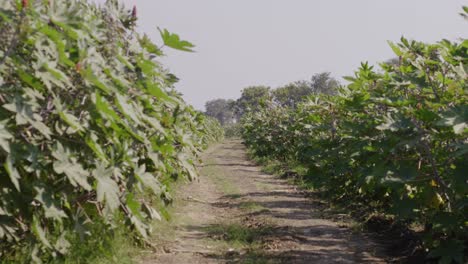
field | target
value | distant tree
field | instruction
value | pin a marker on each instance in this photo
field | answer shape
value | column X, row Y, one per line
column 251, row 98
column 292, row 94
column 221, row 109
column 395, row 61
column 324, row 83
column 289, row 95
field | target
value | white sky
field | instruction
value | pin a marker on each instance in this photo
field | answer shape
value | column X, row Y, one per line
column 273, row 42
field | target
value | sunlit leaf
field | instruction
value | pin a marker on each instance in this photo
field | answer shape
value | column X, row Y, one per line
column 173, row 41
column 107, row 189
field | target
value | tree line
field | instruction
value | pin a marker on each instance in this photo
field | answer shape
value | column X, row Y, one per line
column 229, row 111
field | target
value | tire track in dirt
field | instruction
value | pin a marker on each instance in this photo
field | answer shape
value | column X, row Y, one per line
column 231, row 190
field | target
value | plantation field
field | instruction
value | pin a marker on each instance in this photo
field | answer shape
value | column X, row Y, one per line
column 92, row 132
column 102, row 160
column 393, row 142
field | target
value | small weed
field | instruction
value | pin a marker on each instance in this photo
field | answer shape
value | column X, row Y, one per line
column 221, row 181
column 251, row 206
column 237, row 234
column 234, row 196
column 116, row 246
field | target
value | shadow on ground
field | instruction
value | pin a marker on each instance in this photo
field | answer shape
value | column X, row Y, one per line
column 261, row 219
column 275, row 244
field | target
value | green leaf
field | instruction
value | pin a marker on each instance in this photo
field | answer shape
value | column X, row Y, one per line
column 145, row 42
column 25, row 112
column 49, row 205
column 389, row 124
column 5, row 136
column 154, row 90
column 5, row 17
column 62, row 245
column 404, row 41
column 126, row 62
column 92, row 142
column 58, row 38
column 30, row 80
column 173, row 41
column 187, row 166
column 107, row 189
column 465, row 8
column 349, row 78
column 12, row 172
column 133, row 205
column 39, row 232
column 135, row 218
column 42, row 128
column 7, row 228
column 395, row 49
column 156, row 124
column 90, row 76
column 68, row 166
column 448, row 252
column 35, row 255
column 147, row 179
column 456, row 118
column 71, row 120
column 152, row 213
column 426, row 115
column 140, row 226
column 104, row 108
column 127, row 109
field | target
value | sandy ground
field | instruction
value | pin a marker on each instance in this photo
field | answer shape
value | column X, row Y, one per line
column 231, row 189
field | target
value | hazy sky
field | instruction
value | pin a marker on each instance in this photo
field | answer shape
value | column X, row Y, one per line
column 273, row 42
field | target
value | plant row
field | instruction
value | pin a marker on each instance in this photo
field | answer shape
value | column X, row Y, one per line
column 89, row 125
column 394, row 140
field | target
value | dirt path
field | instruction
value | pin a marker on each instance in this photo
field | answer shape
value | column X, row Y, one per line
column 237, row 214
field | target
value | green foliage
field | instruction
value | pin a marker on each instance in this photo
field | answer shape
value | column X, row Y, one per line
column 324, row 83
column 89, row 125
column 222, row 110
column 238, row 234
column 394, row 140
column 292, row 94
column 233, row 130
column 102, row 245
column 464, row 14
column 173, row 41
column 251, row 99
